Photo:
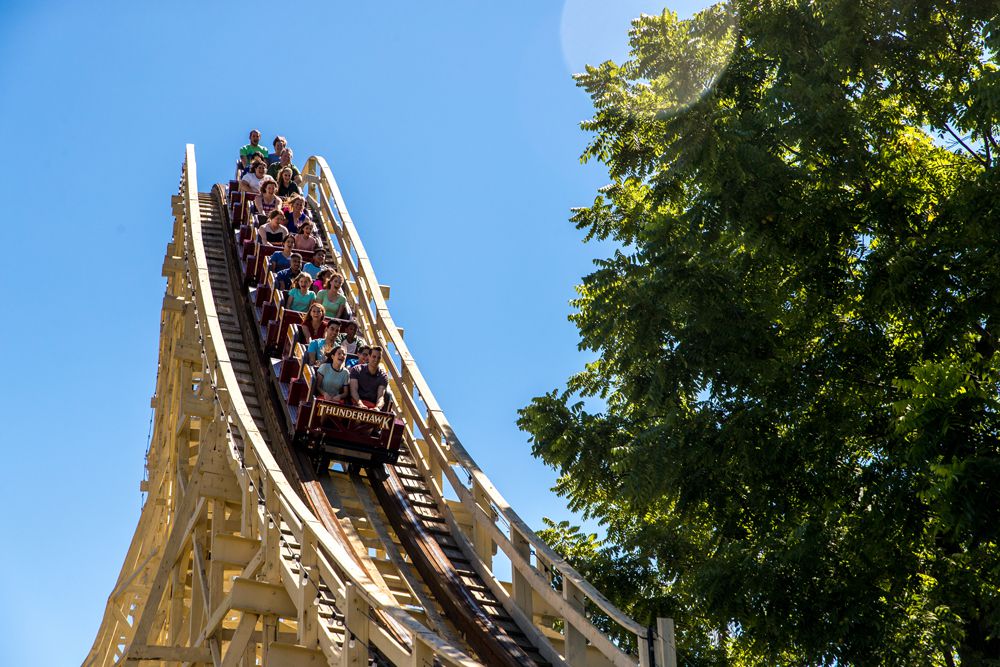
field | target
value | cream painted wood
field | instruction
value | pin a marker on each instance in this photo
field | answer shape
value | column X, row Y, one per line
column 208, row 469
column 229, row 566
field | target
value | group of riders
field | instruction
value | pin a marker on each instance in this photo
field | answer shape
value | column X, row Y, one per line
column 347, row 368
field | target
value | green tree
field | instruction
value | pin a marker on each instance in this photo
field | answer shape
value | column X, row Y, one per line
column 797, row 449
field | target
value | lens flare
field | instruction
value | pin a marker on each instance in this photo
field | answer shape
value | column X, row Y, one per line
column 673, row 72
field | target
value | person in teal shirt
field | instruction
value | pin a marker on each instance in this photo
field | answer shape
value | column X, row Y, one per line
column 332, row 379
column 319, row 348
column 300, row 297
column 333, row 299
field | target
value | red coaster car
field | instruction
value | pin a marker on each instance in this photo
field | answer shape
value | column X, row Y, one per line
column 346, row 433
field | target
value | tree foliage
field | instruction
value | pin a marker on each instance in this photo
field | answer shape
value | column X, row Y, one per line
column 797, row 449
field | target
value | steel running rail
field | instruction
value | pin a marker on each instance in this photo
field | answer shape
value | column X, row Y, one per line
column 437, row 449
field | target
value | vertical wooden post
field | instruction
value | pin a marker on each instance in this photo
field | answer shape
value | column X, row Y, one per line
column 644, row 650
column 272, row 534
column 423, row 655
column 198, row 602
column 269, row 633
column 520, row 584
column 216, row 571
column 308, row 627
column 355, row 652
column 481, row 539
column 575, row 651
column 666, row 651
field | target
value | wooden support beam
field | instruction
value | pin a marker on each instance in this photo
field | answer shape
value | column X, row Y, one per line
column 521, row 586
column 220, row 487
column 170, row 653
column 177, row 206
column 216, row 619
column 172, row 265
column 189, row 507
column 238, row 646
column 173, row 304
column 233, row 549
column 422, row 654
column 481, row 540
column 293, row 655
column 261, row 598
column 193, row 406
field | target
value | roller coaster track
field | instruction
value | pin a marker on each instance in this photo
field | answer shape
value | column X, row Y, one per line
column 243, row 555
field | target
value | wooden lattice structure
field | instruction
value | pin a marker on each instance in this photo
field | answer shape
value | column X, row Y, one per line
column 236, row 561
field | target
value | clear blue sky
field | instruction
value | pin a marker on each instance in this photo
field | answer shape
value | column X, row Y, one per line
column 453, row 130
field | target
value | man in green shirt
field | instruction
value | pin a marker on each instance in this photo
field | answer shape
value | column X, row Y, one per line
column 253, row 148
column 285, row 160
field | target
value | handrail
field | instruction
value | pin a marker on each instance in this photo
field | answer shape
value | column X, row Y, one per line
column 272, row 480
column 480, row 497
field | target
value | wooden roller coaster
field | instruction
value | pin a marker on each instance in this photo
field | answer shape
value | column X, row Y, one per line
column 248, row 553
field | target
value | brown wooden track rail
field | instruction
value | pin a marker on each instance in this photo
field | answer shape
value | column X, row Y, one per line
column 296, row 465
column 491, row 632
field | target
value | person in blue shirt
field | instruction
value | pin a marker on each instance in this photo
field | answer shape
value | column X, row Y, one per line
column 279, row 144
column 286, row 277
column 359, row 357
column 314, row 266
column 319, row 348
column 283, row 258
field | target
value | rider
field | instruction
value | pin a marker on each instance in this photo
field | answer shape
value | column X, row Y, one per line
column 369, row 382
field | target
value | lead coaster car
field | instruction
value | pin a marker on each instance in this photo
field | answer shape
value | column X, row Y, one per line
column 333, row 431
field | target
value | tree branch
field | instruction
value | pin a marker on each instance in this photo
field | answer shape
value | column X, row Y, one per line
column 971, row 152
column 990, row 141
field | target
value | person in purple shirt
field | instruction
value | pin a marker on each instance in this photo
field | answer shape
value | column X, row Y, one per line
column 369, row 382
